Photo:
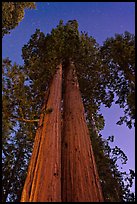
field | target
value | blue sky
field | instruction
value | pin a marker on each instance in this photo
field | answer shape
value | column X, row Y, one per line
column 100, row 20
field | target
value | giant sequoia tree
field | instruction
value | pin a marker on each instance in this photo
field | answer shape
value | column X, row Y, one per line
column 44, row 173
column 66, row 152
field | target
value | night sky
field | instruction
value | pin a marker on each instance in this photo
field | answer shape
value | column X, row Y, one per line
column 100, row 20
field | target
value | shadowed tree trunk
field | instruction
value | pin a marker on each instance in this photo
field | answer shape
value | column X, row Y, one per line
column 43, row 182
column 80, row 181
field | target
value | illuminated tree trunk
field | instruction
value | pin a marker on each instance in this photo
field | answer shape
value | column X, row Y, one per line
column 80, row 181
column 43, row 182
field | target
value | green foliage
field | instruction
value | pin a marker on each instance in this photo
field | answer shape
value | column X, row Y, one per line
column 43, row 53
column 17, row 137
column 13, row 13
column 15, row 158
column 118, row 56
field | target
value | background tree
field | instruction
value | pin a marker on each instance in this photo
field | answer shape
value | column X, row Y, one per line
column 13, row 13
column 108, row 160
column 118, row 56
column 41, row 56
column 17, row 136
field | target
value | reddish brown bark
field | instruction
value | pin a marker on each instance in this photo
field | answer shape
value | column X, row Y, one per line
column 66, row 173
column 80, row 181
column 43, row 182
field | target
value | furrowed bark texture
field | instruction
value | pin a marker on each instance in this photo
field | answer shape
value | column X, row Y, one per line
column 80, row 181
column 43, row 182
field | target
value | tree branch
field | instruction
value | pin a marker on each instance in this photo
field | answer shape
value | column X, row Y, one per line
column 26, row 120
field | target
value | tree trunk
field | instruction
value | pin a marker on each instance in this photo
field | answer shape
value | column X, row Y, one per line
column 80, row 181
column 43, row 182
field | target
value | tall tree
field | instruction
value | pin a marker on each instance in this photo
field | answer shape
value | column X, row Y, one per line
column 13, row 13
column 80, row 181
column 43, row 182
column 59, row 38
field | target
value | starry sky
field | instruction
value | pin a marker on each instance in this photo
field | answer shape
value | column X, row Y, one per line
column 100, row 20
